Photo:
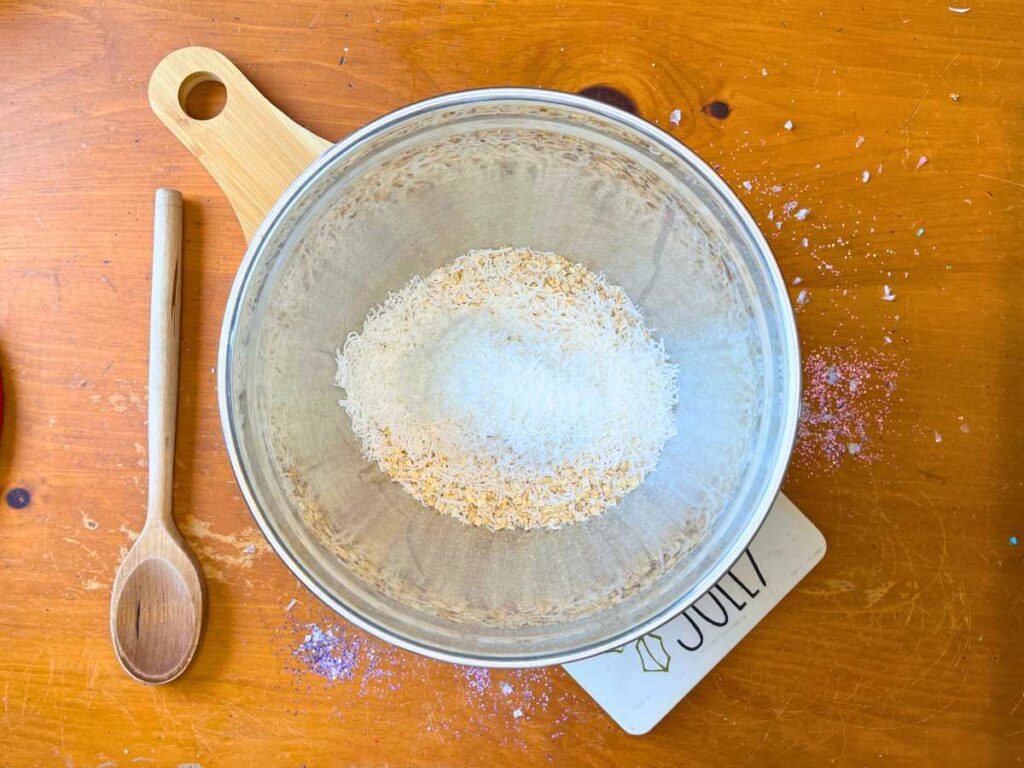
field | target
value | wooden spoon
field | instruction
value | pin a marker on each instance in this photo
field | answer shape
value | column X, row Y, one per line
column 156, row 610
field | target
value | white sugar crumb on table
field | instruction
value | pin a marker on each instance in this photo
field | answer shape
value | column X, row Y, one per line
column 938, row 438
column 797, row 280
column 510, row 389
column 859, row 143
column 788, row 125
column 747, row 186
column 865, row 176
column 675, row 117
column 887, row 294
column 801, row 214
column 922, row 160
column 803, row 297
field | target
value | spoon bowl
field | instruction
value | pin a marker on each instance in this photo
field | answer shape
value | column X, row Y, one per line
column 156, row 617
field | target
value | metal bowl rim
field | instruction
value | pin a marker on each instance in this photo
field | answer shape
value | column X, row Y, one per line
column 539, row 97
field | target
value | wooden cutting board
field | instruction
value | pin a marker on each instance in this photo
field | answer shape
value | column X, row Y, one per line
column 251, row 148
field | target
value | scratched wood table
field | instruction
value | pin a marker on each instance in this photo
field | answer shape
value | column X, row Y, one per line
column 880, row 146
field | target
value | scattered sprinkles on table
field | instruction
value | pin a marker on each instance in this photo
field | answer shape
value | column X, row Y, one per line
column 847, row 396
column 340, row 665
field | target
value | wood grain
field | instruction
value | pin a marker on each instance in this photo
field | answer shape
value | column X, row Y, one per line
column 902, row 647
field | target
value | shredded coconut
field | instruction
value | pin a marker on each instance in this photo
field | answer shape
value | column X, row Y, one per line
column 512, row 389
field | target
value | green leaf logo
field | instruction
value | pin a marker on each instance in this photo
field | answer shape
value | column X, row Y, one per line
column 653, row 656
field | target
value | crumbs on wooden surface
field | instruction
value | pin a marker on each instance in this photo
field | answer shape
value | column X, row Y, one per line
column 338, row 663
column 847, row 397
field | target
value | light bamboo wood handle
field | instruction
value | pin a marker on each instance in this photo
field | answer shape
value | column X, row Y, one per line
column 252, row 150
column 164, row 333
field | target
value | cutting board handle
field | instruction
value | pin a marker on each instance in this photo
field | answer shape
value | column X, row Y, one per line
column 252, row 150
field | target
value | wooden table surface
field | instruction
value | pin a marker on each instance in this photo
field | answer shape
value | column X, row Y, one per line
column 907, row 150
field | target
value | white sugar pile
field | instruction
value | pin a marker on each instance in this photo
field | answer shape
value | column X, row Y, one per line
column 510, row 389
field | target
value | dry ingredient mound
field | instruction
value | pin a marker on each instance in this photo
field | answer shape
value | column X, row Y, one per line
column 510, row 389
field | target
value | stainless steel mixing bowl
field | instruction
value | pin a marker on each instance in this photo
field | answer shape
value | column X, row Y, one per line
column 488, row 168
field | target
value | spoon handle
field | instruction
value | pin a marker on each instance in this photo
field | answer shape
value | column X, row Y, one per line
column 164, row 332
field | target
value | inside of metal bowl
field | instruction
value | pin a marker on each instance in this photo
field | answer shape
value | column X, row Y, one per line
column 411, row 193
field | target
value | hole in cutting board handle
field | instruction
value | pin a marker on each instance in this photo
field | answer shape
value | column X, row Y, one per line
column 202, row 96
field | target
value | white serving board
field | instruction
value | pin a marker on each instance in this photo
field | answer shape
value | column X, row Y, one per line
column 639, row 683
